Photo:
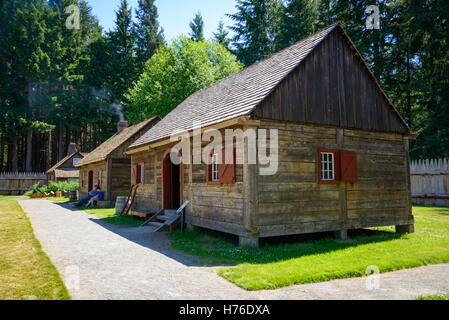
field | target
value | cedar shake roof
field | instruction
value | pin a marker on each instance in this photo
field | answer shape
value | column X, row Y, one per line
column 239, row 94
column 66, row 158
column 114, row 142
column 236, row 95
column 67, row 173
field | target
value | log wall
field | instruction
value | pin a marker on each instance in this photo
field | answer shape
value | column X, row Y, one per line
column 293, row 202
column 95, row 167
column 214, row 207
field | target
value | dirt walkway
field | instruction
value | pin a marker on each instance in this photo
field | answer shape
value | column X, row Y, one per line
column 101, row 261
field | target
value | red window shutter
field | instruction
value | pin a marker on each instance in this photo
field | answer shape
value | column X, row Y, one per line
column 134, row 174
column 209, row 168
column 337, row 166
column 226, row 171
column 349, row 166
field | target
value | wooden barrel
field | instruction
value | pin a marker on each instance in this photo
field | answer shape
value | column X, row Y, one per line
column 120, row 204
column 73, row 196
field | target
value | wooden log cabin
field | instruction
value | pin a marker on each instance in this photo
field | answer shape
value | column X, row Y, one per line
column 343, row 157
column 107, row 166
column 65, row 169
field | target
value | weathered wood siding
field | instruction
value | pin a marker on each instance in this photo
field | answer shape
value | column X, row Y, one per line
column 95, row 168
column 332, row 87
column 214, row 207
column 147, row 199
column 292, row 201
column 120, row 178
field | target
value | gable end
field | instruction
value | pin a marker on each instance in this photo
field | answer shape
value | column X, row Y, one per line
column 334, row 87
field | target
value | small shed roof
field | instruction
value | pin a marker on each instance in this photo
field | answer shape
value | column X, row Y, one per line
column 239, row 94
column 65, row 159
column 114, row 142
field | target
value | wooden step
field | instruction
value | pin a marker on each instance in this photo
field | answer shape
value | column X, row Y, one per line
column 156, row 224
column 163, row 218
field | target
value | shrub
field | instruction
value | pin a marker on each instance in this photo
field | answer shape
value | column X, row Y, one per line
column 53, row 187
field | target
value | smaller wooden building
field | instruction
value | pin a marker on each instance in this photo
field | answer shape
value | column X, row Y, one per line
column 66, row 170
column 107, row 166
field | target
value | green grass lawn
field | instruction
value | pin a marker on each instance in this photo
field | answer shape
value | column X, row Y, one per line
column 108, row 215
column 443, row 297
column 13, row 197
column 278, row 265
column 26, row 272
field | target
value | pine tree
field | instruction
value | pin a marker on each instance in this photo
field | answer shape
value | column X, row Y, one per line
column 257, row 27
column 299, row 21
column 149, row 36
column 32, row 61
column 221, row 36
column 197, row 28
column 122, row 43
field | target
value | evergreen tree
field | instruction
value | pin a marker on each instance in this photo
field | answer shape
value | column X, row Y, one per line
column 257, row 28
column 299, row 21
column 32, row 62
column 221, row 36
column 197, row 28
column 149, row 36
column 123, row 59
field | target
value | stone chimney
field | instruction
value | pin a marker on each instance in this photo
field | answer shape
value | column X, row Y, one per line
column 72, row 148
column 122, row 125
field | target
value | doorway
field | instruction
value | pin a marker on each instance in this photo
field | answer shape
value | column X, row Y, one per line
column 90, row 183
column 172, row 182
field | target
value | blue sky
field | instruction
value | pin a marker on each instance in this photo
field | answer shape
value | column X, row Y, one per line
column 174, row 15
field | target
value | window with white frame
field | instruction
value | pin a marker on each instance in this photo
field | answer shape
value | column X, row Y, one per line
column 327, row 166
column 76, row 161
column 215, row 168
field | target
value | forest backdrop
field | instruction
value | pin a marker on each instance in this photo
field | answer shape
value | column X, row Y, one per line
column 59, row 85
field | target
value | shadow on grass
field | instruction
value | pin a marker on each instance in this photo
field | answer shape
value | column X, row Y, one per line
column 217, row 248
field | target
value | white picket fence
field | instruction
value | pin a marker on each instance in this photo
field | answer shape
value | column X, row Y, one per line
column 430, row 180
column 20, row 182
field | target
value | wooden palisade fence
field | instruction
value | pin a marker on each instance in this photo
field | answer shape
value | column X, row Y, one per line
column 12, row 183
column 430, row 181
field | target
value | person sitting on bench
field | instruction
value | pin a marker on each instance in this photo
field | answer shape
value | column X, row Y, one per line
column 98, row 197
column 90, row 195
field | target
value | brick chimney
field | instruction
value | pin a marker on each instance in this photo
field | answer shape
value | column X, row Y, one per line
column 122, row 125
column 72, row 148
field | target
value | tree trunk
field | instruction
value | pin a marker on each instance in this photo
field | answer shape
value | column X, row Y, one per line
column 29, row 147
column 49, row 153
column 14, row 158
column 2, row 152
column 60, row 142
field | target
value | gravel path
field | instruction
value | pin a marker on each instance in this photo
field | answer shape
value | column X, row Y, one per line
column 101, row 261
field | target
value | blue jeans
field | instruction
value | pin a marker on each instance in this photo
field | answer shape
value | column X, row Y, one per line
column 84, row 200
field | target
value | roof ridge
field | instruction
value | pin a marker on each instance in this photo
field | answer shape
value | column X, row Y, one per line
column 125, row 135
column 254, row 65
